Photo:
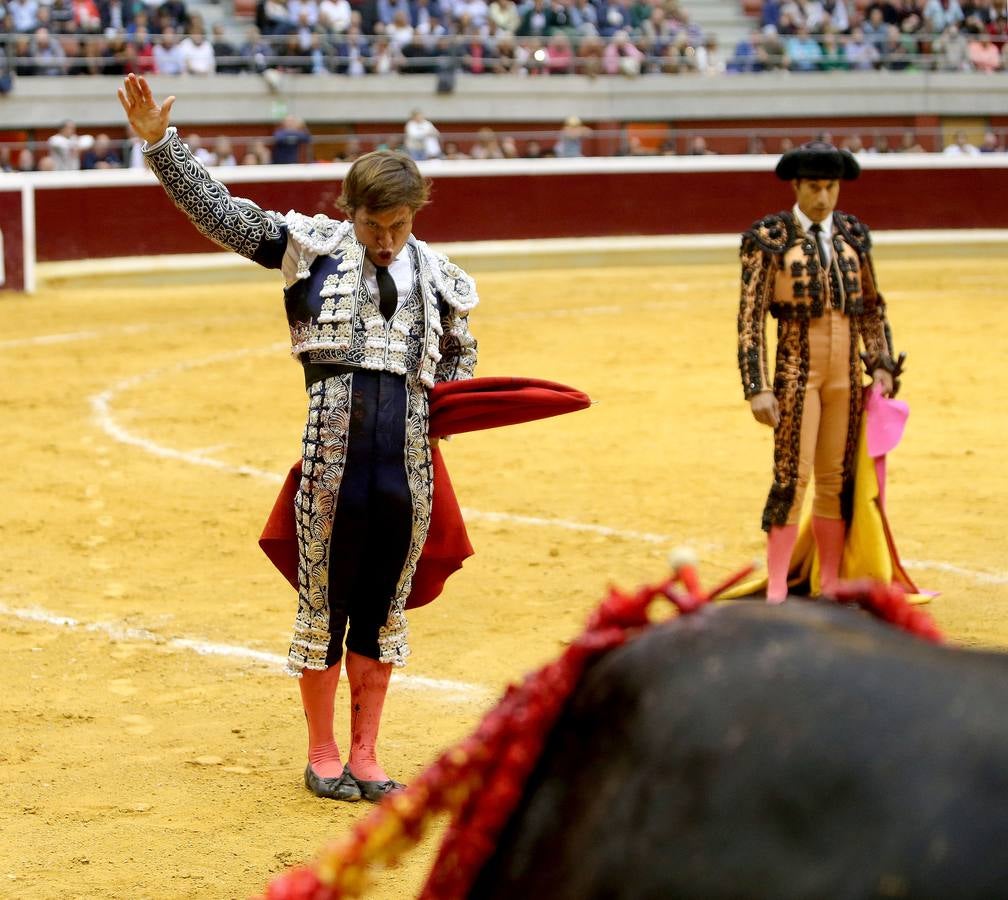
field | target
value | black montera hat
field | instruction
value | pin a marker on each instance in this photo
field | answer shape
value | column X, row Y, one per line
column 817, row 159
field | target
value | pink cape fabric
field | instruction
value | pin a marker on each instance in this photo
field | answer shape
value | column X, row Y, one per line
column 455, row 407
column 885, row 420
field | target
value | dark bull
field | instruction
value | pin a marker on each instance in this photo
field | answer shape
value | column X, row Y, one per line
column 800, row 751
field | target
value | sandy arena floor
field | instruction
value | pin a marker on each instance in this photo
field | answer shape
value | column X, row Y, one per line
column 152, row 749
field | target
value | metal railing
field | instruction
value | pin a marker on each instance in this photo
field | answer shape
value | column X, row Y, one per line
column 537, row 143
column 317, row 52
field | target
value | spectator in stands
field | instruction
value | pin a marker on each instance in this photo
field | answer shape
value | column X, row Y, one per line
column 990, row 143
column 421, row 139
column 940, row 14
column 587, row 17
column 25, row 16
column 223, row 153
column 6, row 163
column 195, row 144
column 452, row 151
column 836, row 16
column 174, row 13
column 417, row 57
column 984, row 56
column 570, row 142
column 352, row 54
column 833, row 56
column 892, row 51
column 23, row 60
column 384, row 59
column 115, row 53
column 273, row 17
column 861, row 55
column 334, row 15
column 874, row 28
column 708, row 57
column 256, row 52
column 909, row 143
column 65, row 147
column 509, row 147
column 772, row 52
column 477, row 54
column 980, row 12
column 47, row 54
column 262, row 152
column 388, row 8
column 115, row 14
column 427, row 19
column 303, row 12
column 770, row 14
column 102, row 155
column 400, row 29
column 698, row 147
column 168, row 59
column 291, row 141
column 614, row 17
column 537, row 20
column 745, row 56
column 951, row 51
column 25, row 160
column 803, row 51
column 755, row 146
column 226, row 56
column 621, row 56
column 560, row 54
column 504, row 14
column 61, row 17
column 961, row 146
column 486, row 145
column 197, row 53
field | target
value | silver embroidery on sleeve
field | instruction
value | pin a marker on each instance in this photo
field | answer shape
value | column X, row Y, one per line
column 323, row 460
column 232, row 222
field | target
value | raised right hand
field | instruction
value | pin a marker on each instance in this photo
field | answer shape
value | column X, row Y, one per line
column 765, row 408
column 149, row 120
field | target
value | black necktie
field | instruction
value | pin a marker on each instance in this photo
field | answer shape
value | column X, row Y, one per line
column 816, row 230
column 837, row 297
column 388, row 293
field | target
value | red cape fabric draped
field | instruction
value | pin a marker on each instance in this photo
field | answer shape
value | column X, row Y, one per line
column 455, row 408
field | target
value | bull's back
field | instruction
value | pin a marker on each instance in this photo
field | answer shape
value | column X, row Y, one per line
column 753, row 751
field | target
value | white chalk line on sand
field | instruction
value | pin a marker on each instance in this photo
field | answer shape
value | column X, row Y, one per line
column 101, row 405
column 119, row 631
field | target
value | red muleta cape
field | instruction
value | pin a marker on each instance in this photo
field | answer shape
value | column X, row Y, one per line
column 455, row 407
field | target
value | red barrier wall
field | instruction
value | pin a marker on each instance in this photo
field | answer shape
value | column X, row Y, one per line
column 104, row 221
column 13, row 248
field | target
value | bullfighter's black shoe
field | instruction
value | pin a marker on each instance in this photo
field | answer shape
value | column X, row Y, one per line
column 342, row 788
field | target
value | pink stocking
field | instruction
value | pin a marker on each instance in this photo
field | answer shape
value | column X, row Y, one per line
column 780, row 544
column 829, row 538
column 318, row 696
column 369, row 680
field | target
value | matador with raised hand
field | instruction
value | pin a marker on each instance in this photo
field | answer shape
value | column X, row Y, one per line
column 376, row 318
column 811, row 268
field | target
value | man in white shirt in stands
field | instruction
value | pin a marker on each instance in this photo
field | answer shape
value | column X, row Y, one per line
column 197, row 53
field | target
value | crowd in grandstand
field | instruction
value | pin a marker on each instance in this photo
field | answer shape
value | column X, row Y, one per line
column 595, row 37
column 895, row 35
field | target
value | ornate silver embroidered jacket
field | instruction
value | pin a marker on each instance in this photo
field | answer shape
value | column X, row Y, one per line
column 334, row 319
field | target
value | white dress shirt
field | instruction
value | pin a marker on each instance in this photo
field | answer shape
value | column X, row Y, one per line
column 825, row 236
column 401, row 270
